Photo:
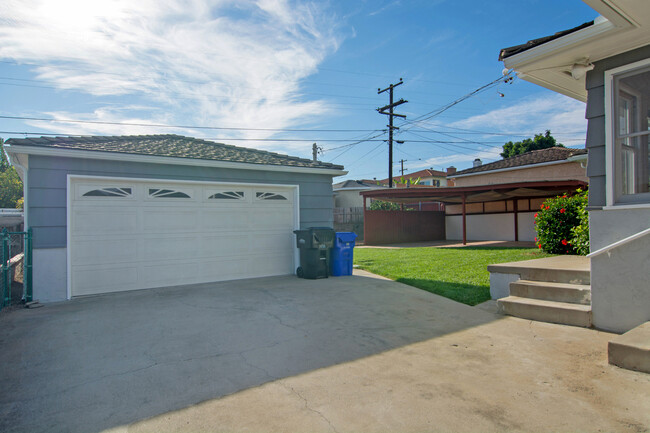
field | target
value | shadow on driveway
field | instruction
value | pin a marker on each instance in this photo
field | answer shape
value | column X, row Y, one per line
column 98, row 362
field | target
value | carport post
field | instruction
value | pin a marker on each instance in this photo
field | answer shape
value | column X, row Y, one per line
column 514, row 208
column 464, row 222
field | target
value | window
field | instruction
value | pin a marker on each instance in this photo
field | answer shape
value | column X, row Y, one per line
column 269, row 196
column 109, row 192
column 629, row 130
column 166, row 193
column 227, row 195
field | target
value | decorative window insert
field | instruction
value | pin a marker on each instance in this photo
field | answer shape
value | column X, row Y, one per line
column 109, row 192
column 269, row 196
column 166, row 193
column 628, row 137
column 227, row 195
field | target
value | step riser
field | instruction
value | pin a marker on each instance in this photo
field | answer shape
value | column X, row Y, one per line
column 546, row 313
column 628, row 357
column 549, row 293
column 556, row 276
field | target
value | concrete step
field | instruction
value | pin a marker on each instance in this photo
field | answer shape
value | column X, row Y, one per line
column 546, row 311
column 559, row 269
column 632, row 349
column 559, row 292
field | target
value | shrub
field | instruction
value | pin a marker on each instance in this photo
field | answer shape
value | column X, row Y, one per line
column 562, row 225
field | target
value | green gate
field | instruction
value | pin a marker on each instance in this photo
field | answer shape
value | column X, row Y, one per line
column 15, row 267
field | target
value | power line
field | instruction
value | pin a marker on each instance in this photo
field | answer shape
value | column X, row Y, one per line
column 160, row 125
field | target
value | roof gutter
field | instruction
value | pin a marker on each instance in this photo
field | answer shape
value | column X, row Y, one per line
column 152, row 159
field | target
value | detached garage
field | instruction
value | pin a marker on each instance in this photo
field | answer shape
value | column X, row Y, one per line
column 136, row 212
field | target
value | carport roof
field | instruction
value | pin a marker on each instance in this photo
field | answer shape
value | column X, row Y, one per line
column 475, row 194
column 170, row 145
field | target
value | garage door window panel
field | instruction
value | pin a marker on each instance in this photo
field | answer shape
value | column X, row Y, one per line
column 167, row 193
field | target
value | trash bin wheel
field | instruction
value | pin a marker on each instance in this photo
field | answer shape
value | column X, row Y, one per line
column 300, row 273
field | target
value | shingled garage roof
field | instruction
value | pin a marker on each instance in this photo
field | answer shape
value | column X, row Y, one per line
column 541, row 156
column 175, row 146
column 511, row 51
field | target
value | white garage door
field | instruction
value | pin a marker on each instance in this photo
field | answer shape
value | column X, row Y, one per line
column 126, row 235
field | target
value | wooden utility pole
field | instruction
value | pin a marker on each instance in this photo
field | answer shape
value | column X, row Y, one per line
column 402, row 161
column 390, row 115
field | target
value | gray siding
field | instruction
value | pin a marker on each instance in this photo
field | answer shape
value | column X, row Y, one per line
column 48, row 179
column 595, row 114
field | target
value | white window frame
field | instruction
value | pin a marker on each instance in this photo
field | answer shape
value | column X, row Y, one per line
column 610, row 125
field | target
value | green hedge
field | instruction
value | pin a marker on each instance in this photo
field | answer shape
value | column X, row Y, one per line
column 562, row 225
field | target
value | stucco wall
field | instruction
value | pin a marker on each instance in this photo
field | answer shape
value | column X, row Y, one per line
column 491, row 227
column 561, row 171
column 48, row 179
column 348, row 198
column 620, row 294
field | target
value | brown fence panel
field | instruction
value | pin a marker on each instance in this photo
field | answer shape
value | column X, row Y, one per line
column 393, row 227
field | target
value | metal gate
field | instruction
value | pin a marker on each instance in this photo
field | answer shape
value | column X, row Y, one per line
column 15, row 267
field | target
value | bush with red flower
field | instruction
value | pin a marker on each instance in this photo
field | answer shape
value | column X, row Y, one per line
column 562, row 225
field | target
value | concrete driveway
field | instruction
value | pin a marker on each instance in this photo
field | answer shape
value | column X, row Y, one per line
column 284, row 354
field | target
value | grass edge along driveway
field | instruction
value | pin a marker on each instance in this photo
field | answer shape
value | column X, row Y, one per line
column 459, row 274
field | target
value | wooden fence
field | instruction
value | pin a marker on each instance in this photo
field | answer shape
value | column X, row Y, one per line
column 392, row 227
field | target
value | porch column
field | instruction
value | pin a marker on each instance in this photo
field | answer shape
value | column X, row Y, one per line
column 464, row 222
column 514, row 208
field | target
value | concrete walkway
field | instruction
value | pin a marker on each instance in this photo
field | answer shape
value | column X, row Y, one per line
column 283, row 354
column 505, row 375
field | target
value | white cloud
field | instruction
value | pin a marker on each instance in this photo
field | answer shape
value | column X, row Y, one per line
column 565, row 117
column 211, row 62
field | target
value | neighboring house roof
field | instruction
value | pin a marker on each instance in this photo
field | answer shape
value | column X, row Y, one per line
column 356, row 185
column 525, row 159
column 169, row 145
column 418, row 174
column 511, row 51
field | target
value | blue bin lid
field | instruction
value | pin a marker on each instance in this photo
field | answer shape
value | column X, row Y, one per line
column 346, row 236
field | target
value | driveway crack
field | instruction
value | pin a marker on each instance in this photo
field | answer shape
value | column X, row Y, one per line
column 309, row 408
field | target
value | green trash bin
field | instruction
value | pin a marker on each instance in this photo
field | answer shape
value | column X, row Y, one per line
column 314, row 244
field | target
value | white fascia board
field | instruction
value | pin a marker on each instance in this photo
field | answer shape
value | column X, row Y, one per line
column 520, row 167
column 565, row 43
column 128, row 157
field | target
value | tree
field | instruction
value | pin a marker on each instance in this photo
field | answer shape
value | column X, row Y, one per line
column 11, row 187
column 540, row 141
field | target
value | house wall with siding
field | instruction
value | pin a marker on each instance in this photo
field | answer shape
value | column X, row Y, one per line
column 607, row 225
column 619, row 278
column 48, row 180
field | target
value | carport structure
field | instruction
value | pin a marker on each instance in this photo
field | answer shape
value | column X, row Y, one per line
column 515, row 197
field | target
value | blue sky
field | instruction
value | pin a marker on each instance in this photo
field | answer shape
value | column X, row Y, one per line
column 282, row 74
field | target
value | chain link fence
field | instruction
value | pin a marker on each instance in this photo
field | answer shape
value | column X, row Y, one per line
column 15, row 267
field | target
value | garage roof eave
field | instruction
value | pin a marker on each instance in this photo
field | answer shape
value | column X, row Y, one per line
column 475, row 194
column 13, row 149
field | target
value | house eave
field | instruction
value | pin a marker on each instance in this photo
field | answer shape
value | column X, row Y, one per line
column 13, row 150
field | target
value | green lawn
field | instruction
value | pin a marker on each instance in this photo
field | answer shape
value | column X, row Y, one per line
column 455, row 273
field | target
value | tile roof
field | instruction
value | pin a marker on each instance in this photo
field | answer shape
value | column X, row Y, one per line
column 511, row 51
column 170, row 145
column 529, row 158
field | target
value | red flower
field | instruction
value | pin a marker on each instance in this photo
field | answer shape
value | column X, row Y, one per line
column 542, row 208
column 540, row 246
column 564, row 242
column 548, row 207
column 562, row 210
column 564, row 196
column 535, row 215
column 535, row 238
